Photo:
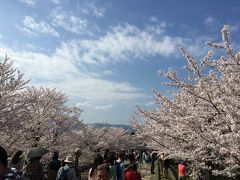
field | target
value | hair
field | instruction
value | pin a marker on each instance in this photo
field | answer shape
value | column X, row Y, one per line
column 131, row 158
column 16, row 157
column 55, row 155
column 106, row 151
column 104, row 167
column 3, row 156
column 121, row 155
column 97, row 161
column 111, row 158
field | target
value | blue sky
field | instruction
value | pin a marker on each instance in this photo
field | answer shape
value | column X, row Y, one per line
column 105, row 54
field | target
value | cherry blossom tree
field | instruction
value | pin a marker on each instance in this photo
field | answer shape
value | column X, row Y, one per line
column 30, row 116
column 12, row 107
column 200, row 120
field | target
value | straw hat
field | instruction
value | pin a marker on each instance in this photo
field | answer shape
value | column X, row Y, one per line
column 69, row 159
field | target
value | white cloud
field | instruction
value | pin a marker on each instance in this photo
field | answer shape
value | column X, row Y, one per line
column 93, row 9
column 28, row 2
column 68, row 67
column 209, row 21
column 32, row 27
column 61, row 70
column 91, row 104
column 108, row 72
column 56, row 1
column 84, row 104
column 153, row 19
column 104, row 107
column 69, row 22
column 125, row 43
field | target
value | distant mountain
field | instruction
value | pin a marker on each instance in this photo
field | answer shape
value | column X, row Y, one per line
column 106, row 125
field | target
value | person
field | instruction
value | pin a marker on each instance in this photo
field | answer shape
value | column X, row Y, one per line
column 5, row 172
column 34, row 169
column 16, row 161
column 131, row 170
column 113, row 170
column 120, row 165
column 54, row 166
column 153, row 159
column 144, row 157
column 181, row 171
column 105, row 154
column 103, row 172
column 166, row 165
column 93, row 171
column 68, row 171
column 77, row 154
column 161, row 159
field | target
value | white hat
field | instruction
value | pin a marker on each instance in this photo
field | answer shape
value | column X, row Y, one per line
column 69, row 159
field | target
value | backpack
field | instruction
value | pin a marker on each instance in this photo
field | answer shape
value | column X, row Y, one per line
column 132, row 174
column 118, row 169
column 12, row 174
column 64, row 174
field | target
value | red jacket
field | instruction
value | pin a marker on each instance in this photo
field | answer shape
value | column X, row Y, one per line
column 132, row 175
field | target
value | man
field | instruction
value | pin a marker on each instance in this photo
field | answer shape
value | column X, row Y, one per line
column 153, row 159
column 67, row 172
column 5, row 172
column 166, row 166
column 77, row 154
column 54, row 166
column 103, row 172
column 120, row 165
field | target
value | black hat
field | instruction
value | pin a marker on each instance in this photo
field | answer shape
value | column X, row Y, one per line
column 3, row 156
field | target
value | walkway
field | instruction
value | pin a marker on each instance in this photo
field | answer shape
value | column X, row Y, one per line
column 145, row 170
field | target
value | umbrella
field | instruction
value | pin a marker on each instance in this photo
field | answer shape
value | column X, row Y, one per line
column 36, row 152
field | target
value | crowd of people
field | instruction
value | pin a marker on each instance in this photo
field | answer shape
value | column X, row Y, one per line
column 107, row 166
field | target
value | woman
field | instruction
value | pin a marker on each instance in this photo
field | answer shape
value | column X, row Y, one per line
column 131, row 172
column 93, row 171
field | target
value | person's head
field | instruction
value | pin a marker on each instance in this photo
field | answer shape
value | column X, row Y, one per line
column 103, row 172
column 181, row 162
column 111, row 158
column 106, row 151
column 3, row 160
column 78, row 153
column 121, row 155
column 97, row 161
column 16, row 157
column 55, row 155
column 69, row 160
column 131, row 158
